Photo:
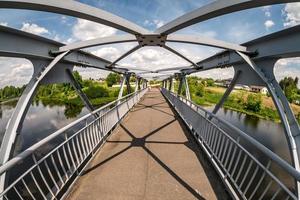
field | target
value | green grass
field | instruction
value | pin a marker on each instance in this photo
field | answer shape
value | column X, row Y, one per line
column 233, row 103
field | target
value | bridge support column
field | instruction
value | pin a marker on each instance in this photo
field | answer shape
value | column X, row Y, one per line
column 183, row 80
column 187, row 89
column 171, row 84
column 127, row 77
column 227, row 92
column 15, row 123
column 81, row 94
column 136, row 84
column 265, row 71
column 122, row 87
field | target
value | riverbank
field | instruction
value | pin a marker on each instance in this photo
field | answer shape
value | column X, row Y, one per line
column 236, row 102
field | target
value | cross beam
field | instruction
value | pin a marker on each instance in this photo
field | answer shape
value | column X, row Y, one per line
column 212, row 10
column 282, row 44
column 76, row 9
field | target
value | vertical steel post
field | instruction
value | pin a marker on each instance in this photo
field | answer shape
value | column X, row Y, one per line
column 127, row 77
column 136, row 84
column 187, row 89
column 227, row 92
column 180, row 85
column 81, row 94
column 121, row 88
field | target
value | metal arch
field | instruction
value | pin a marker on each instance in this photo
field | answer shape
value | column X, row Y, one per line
column 180, row 55
column 125, row 55
column 291, row 127
column 97, row 42
column 281, row 44
column 18, row 115
column 212, row 10
column 173, row 69
column 76, row 9
column 30, row 46
column 194, row 39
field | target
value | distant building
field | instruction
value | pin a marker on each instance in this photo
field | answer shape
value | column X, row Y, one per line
column 258, row 89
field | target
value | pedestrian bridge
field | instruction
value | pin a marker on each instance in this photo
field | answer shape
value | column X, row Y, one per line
column 152, row 143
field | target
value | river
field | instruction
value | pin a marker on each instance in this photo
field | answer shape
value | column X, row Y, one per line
column 43, row 119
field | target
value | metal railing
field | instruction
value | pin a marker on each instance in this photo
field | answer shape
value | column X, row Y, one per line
column 245, row 175
column 53, row 171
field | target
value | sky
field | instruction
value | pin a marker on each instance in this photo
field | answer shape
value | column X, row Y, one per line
column 238, row 27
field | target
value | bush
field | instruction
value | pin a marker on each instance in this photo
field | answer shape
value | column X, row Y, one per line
column 254, row 102
column 200, row 90
column 96, row 91
column 112, row 79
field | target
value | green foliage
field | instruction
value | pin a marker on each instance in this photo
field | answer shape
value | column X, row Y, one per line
column 9, row 92
column 78, row 77
column 112, row 79
column 254, row 102
column 289, row 86
column 200, row 90
column 96, row 91
column 210, row 82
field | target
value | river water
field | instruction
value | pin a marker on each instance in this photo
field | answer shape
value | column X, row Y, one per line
column 43, row 119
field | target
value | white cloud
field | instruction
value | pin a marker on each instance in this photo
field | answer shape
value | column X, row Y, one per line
column 85, row 30
column 292, row 14
column 156, row 23
column 269, row 24
column 14, row 71
column 34, row 29
column 266, row 10
column 287, row 67
column 109, row 53
column 241, row 32
column 3, row 23
column 217, row 73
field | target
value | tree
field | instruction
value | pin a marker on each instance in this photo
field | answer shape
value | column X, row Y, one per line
column 96, row 91
column 112, row 79
column 289, row 87
column 254, row 102
column 78, row 77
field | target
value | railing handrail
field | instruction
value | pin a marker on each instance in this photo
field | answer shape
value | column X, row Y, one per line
column 278, row 160
column 30, row 150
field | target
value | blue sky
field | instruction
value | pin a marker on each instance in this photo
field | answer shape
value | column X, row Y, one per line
column 238, row 27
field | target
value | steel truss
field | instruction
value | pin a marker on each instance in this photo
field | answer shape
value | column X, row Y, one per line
column 53, row 62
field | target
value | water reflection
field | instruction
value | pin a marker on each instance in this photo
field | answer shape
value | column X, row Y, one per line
column 42, row 119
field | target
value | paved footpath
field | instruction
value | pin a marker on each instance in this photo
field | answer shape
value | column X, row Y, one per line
column 151, row 155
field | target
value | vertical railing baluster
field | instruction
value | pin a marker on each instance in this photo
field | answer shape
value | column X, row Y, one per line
column 236, row 163
column 224, row 151
column 246, row 174
column 241, row 168
column 84, row 148
column 50, row 174
column 62, row 164
column 56, row 169
column 265, row 190
column 228, row 154
column 75, row 152
column 28, row 190
column 42, row 176
column 260, row 181
column 251, row 179
column 79, row 148
column 17, row 192
column 70, row 152
column 39, row 188
column 66, row 158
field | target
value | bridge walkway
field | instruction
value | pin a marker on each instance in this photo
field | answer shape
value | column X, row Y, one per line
column 150, row 155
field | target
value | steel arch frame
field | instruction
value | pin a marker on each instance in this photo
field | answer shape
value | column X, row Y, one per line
column 243, row 58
